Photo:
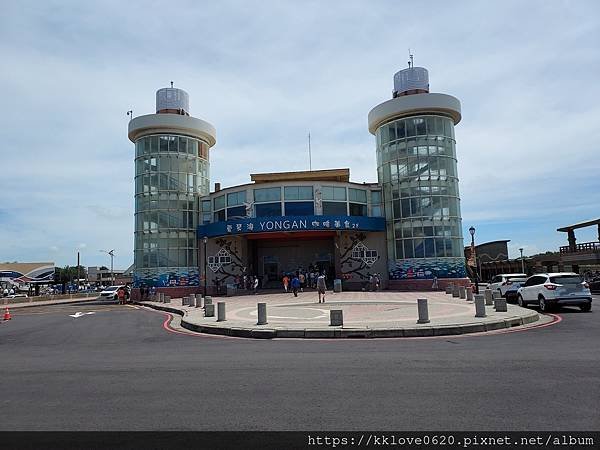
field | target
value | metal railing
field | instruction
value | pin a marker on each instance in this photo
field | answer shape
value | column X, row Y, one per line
column 585, row 247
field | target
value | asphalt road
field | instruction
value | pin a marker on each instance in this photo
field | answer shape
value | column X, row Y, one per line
column 119, row 369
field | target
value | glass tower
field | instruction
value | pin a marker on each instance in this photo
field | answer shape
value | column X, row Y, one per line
column 416, row 166
column 171, row 174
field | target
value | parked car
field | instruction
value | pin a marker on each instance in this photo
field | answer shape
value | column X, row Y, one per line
column 503, row 281
column 595, row 285
column 511, row 292
column 549, row 290
column 110, row 292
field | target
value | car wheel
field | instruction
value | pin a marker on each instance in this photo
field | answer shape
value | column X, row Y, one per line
column 586, row 307
column 543, row 305
column 521, row 302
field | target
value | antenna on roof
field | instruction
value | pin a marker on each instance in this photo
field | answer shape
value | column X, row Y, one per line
column 171, row 84
column 411, row 63
column 130, row 114
column 309, row 154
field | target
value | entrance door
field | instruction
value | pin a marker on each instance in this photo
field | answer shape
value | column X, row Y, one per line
column 271, row 271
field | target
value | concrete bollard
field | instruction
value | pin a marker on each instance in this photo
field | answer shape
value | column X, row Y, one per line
column 423, row 310
column 336, row 318
column 469, row 294
column 207, row 300
column 198, row 300
column 209, row 310
column 500, row 305
column 167, row 299
column 184, row 301
column 480, row 306
column 462, row 292
column 161, row 297
column 496, row 294
column 192, row 301
column 455, row 290
column 489, row 299
column 262, row 314
column 221, row 312
column 449, row 289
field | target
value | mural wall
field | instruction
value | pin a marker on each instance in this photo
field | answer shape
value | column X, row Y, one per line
column 427, row 268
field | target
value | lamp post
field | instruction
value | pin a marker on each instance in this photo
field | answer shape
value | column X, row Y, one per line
column 111, row 253
column 205, row 241
column 522, row 262
column 474, row 256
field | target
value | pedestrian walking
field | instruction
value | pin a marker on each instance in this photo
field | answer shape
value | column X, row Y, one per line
column 295, row 285
column 255, row 286
column 286, row 282
column 302, row 279
column 5, row 293
column 434, row 285
column 121, row 295
column 321, row 286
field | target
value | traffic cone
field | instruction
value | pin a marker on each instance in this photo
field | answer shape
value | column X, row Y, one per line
column 7, row 314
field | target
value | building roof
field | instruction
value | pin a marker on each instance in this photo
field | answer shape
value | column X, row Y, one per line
column 589, row 223
column 341, row 175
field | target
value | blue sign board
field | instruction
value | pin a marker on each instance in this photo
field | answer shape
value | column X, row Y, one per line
column 291, row 224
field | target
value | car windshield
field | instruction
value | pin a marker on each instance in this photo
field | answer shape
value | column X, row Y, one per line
column 517, row 279
column 566, row 279
column 111, row 288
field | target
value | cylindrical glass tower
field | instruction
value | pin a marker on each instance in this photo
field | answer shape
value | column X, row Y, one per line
column 171, row 174
column 416, row 166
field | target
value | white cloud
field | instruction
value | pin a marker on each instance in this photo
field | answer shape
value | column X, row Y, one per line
column 266, row 73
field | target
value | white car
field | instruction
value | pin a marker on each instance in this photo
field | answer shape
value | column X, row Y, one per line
column 111, row 292
column 555, row 289
column 503, row 281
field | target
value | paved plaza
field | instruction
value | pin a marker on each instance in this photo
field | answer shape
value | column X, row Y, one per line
column 365, row 314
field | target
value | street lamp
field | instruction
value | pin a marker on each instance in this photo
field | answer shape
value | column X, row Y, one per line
column 111, row 253
column 205, row 241
column 522, row 262
column 474, row 256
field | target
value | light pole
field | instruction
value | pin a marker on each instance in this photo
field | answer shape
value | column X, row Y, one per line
column 474, row 256
column 522, row 262
column 205, row 241
column 111, row 253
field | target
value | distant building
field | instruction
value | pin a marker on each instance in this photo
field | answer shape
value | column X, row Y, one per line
column 25, row 274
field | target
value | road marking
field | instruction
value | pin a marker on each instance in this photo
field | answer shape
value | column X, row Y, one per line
column 81, row 314
column 132, row 306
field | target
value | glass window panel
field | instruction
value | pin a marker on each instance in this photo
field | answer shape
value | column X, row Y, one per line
column 357, row 195
column 339, row 193
column 398, row 229
column 399, row 250
column 299, row 208
column 400, row 129
column 206, row 205
column 334, row 209
column 396, row 208
column 163, row 144
column 236, row 212
column 408, row 248
column 375, row 197
column 429, row 248
column 268, row 209
column 183, row 145
column 420, row 126
column 411, row 129
column 219, row 216
column 439, row 248
column 447, row 127
column 357, row 209
column 219, row 202
column 419, row 245
column 376, row 211
column 236, row 198
column 392, row 131
column 267, row 194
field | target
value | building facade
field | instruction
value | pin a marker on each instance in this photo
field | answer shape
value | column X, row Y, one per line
column 417, row 169
column 171, row 174
column 406, row 228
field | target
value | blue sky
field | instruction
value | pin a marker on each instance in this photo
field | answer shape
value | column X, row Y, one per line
column 264, row 74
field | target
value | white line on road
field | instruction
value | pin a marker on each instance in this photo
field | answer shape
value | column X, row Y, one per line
column 80, row 314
